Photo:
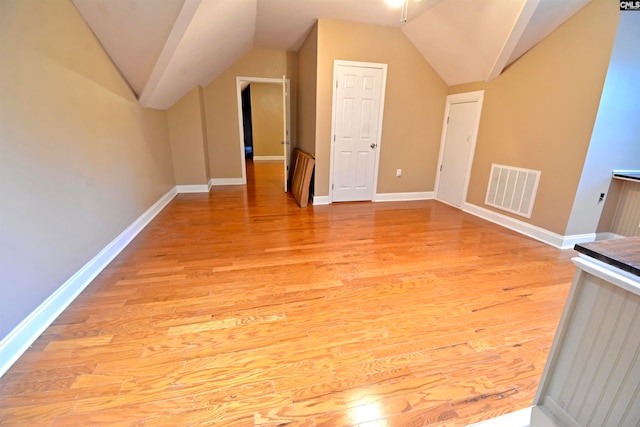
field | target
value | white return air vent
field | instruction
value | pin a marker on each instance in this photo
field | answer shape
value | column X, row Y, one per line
column 512, row 189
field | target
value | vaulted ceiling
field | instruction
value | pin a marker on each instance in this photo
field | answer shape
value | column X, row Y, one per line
column 164, row 48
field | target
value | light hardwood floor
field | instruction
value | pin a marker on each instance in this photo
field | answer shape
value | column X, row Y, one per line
column 238, row 308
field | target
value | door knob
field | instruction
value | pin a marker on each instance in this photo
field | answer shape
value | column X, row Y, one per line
column 374, row 145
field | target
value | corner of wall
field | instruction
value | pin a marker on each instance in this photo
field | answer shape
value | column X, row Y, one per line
column 187, row 134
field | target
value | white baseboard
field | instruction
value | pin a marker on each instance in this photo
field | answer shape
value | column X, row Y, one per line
column 401, row 197
column 384, row 197
column 535, row 232
column 568, row 242
column 198, row 188
column 226, row 181
column 22, row 336
column 320, row 200
column 265, row 158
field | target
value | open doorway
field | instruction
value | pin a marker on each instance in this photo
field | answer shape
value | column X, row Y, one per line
column 276, row 127
column 262, row 112
column 247, row 123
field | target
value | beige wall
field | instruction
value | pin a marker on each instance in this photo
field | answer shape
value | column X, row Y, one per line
column 221, row 108
column 539, row 114
column 307, row 79
column 413, row 111
column 81, row 160
column 188, row 142
column 266, row 119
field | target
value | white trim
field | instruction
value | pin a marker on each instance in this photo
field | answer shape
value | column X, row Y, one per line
column 337, row 63
column 320, row 200
column 568, row 242
column 239, row 80
column 623, row 279
column 476, row 96
column 22, row 336
column 197, row 188
column 401, row 197
column 267, row 158
column 535, row 232
column 227, row 181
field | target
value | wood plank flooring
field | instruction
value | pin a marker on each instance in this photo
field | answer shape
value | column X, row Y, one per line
column 238, row 308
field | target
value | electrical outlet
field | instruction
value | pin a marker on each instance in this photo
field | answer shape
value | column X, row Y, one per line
column 398, row 173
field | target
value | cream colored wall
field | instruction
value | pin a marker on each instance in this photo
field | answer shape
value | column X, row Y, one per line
column 187, row 138
column 266, row 119
column 81, row 160
column 540, row 112
column 307, row 80
column 221, row 108
column 413, row 111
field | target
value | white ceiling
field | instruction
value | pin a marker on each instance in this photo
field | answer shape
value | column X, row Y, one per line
column 164, row 48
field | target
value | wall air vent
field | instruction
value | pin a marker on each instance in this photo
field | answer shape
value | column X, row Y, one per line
column 512, row 189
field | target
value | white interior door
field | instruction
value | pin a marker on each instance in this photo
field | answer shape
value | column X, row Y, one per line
column 358, row 102
column 286, row 130
column 455, row 157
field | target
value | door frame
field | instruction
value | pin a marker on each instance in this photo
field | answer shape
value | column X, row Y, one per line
column 239, row 81
column 338, row 63
column 476, row 96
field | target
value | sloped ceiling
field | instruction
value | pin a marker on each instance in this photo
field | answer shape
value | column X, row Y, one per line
column 163, row 48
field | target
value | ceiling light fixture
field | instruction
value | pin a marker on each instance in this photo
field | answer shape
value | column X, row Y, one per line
column 404, row 4
column 405, row 10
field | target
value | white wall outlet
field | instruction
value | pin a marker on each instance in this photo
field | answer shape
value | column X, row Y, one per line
column 398, row 173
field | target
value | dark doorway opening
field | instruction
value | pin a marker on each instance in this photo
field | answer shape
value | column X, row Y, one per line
column 246, row 123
